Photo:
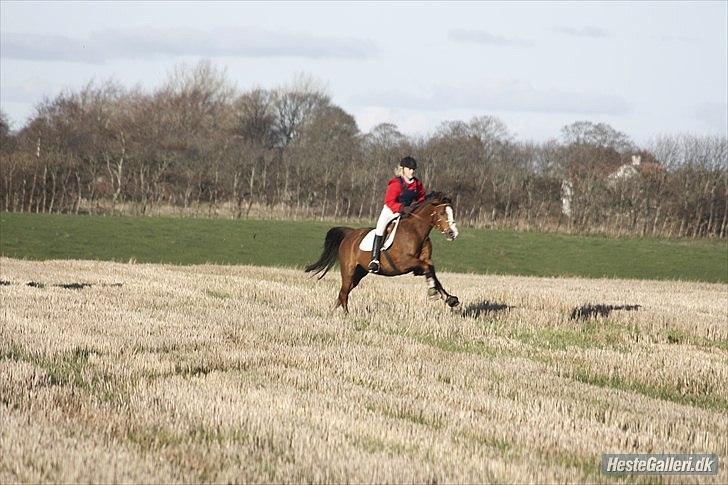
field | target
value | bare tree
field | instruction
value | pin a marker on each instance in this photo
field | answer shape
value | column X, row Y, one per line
column 596, row 134
column 295, row 104
column 196, row 142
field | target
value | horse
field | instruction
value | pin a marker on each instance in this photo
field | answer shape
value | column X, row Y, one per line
column 411, row 250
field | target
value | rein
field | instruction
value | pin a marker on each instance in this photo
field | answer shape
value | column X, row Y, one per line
column 412, row 214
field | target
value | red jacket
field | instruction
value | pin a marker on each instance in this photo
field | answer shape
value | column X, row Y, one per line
column 394, row 189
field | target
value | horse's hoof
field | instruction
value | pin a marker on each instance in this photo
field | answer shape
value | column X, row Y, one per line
column 452, row 301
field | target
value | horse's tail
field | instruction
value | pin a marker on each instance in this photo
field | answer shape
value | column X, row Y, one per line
column 331, row 251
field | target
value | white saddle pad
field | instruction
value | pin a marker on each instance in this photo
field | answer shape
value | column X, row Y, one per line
column 368, row 242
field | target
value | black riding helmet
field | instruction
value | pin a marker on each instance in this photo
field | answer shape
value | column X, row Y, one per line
column 408, row 162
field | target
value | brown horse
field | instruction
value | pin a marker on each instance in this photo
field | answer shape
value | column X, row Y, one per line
column 411, row 250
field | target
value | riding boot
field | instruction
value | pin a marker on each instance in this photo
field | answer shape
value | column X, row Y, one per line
column 374, row 264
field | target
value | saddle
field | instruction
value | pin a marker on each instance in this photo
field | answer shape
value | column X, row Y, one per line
column 368, row 242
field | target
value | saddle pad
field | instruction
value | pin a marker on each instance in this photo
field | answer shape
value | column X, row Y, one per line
column 368, row 242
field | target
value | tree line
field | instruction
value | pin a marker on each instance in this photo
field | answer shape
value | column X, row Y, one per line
column 196, row 145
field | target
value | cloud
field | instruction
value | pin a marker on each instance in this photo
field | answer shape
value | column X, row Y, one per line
column 587, row 31
column 515, row 96
column 107, row 45
column 482, row 37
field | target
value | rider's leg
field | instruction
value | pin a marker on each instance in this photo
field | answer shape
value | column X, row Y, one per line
column 376, row 249
column 384, row 217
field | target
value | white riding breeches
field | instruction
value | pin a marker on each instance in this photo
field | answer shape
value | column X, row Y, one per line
column 384, row 218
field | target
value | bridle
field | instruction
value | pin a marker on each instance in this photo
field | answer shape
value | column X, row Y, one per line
column 433, row 213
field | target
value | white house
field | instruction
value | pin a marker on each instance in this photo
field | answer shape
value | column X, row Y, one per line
column 624, row 172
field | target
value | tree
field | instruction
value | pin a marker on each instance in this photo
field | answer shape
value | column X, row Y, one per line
column 195, row 140
column 597, row 135
column 255, row 118
column 295, row 104
column 4, row 127
column 326, row 149
column 385, row 136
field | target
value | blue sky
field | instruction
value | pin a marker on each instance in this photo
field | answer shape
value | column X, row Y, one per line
column 645, row 68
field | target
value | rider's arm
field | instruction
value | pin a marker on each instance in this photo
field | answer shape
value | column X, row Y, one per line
column 390, row 198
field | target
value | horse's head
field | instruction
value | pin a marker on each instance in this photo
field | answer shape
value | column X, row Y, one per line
column 442, row 215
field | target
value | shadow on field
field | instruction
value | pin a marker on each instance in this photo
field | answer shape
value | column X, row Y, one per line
column 67, row 286
column 591, row 311
column 476, row 310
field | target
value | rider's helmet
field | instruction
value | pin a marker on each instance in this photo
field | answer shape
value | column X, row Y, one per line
column 408, row 162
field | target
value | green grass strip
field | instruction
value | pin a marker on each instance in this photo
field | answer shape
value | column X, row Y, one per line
column 297, row 243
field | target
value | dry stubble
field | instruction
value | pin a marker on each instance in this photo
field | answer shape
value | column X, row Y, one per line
column 239, row 374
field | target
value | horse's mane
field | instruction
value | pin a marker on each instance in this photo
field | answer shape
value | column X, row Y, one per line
column 434, row 198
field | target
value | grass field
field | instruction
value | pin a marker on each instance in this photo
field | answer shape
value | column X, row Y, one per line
column 294, row 244
column 209, row 373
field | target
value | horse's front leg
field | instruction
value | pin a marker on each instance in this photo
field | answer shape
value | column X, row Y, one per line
column 435, row 288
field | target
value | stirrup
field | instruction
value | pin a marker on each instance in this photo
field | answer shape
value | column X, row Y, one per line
column 374, row 266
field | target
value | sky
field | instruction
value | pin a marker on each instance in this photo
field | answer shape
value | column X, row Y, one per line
column 646, row 68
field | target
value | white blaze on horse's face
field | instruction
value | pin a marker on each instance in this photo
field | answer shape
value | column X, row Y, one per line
column 453, row 232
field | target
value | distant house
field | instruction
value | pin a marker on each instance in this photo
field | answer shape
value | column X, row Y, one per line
column 627, row 171
column 624, row 172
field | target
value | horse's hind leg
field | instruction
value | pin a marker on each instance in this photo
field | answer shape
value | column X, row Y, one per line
column 350, row 278
column 359, row 274
column 343, row 299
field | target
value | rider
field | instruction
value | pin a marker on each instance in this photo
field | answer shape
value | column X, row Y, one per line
column 402, row 190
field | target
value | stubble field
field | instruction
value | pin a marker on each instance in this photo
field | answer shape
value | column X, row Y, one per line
column 160, row 373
